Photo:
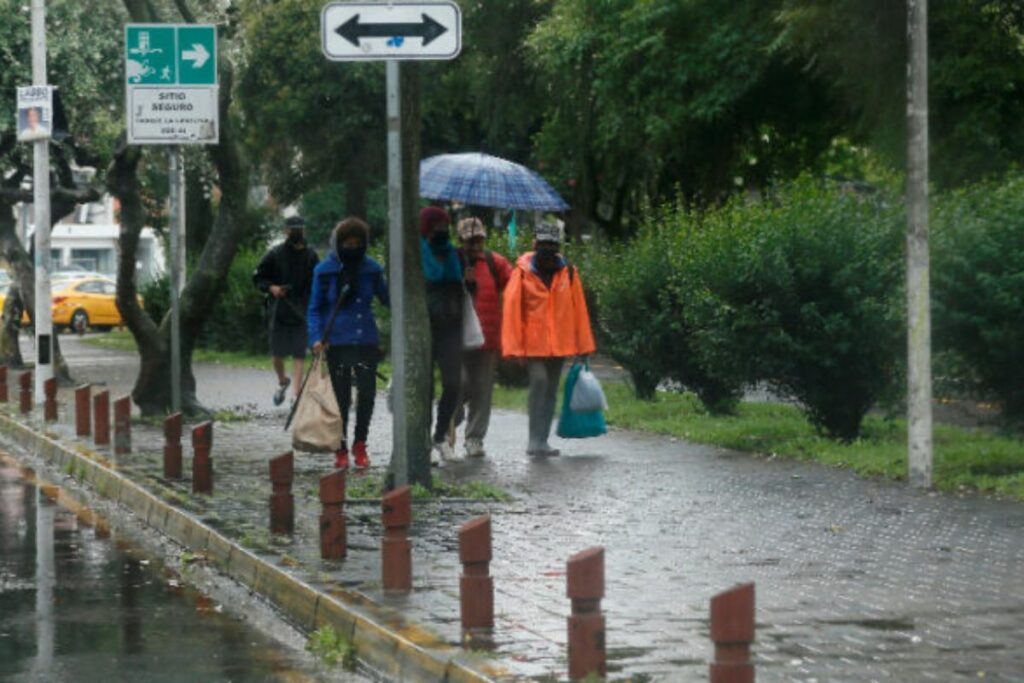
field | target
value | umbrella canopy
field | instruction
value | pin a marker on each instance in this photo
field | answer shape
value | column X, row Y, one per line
column 484, row 180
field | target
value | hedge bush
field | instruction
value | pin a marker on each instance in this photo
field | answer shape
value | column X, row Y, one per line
column 978, row 288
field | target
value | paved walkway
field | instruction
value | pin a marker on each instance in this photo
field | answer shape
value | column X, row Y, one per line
column 857, row 580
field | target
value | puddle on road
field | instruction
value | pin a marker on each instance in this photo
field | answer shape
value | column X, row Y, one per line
column 78, row 606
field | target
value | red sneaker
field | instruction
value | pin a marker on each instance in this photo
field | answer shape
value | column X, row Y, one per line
column 341, row 458
column 362, row 458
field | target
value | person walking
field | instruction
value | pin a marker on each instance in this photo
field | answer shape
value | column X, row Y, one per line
column 353, row 341
column 485, row 276
column 544, row 321
column 285, row 274
column 443, row 273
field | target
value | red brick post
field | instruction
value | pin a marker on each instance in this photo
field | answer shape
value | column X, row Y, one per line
column 83, row 414
column 3, row 384
column 202, row 462
column 172, row 446
column 282, row 502
column 476, row 587
column 585, row 587
column 333, row 530
column 732, row 631
column 25, row 395
column 50, row 400
column 396, row 548
column 101, row 418
column 123, row 426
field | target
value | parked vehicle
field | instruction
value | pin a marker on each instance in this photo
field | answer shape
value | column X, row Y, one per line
column 80, row 303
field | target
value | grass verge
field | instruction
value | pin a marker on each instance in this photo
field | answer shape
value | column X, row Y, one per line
column 965, row 459
column 122, row 340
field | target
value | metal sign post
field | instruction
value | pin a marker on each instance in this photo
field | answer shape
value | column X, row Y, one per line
column 43, row 317
column 393, row 31
column 175, row 169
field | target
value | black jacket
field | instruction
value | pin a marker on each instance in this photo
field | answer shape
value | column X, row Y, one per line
column 286, row 266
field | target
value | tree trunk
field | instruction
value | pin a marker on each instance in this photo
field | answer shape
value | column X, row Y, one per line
column 355, row 184
column 10, row 352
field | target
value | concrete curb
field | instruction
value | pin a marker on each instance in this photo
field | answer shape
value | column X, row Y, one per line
column 384, row 639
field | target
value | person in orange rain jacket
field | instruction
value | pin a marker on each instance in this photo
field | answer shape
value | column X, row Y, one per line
column 544, row 321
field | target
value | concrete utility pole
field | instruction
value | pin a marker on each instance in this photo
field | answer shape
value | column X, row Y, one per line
column 400, row 450
column 176, row 172
column 919, row 357
column 41, row 199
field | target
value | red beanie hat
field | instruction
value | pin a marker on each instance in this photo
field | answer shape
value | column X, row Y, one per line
column 430, row 216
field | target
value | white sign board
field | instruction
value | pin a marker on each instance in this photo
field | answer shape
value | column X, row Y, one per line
column 401, row 30
column 171, row 84
column 35, row 113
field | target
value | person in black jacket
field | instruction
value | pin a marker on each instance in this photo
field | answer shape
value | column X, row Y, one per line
column 285, row 275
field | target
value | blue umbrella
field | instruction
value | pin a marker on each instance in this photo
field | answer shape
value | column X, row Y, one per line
column 484, row 180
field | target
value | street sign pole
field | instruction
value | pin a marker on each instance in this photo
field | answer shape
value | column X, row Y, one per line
column 400, row 452
column 41, row 204
column 174, row 168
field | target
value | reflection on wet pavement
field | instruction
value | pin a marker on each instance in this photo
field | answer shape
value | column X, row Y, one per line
column 78, row 606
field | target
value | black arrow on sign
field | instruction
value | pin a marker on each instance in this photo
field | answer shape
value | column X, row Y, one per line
column 429, row 30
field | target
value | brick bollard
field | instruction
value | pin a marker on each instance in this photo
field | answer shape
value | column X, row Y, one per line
column 25, row 393
column 333, row 529
column 50, row 400
column 172, row 446
column 4, row 398
column 585, row 587
column 83, row 412
column 101, row 418
column 123, row 425
column 202, row 462
column 396, row 548
column 476, row 587
column 732, row 631
column 282, row 502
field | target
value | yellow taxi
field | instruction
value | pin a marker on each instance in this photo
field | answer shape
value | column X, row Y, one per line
column 80, row 303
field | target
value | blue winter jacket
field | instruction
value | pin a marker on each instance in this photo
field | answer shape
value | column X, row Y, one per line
column 354, row 323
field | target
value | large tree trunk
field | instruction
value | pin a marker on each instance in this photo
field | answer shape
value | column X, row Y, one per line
column 152, row 391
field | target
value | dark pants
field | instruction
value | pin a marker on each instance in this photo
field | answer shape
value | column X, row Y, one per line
column 359, row 363
column 447, row 350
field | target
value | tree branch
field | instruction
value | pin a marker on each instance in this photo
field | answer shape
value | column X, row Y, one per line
column 64, row 195
column 185, row 12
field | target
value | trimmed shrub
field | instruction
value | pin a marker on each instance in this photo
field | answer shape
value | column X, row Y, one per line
column 978, row 290
column 806, row 287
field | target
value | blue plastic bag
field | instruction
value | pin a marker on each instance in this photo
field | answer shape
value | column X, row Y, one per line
column 573, row 425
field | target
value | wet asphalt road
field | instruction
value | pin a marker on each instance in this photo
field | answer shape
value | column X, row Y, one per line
column 857, row 580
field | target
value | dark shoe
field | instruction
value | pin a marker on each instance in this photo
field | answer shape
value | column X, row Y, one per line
column 341, row 458
column 282, row 389
column 361, row 457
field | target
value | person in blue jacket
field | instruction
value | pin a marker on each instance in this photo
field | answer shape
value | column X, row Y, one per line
column 353, row 342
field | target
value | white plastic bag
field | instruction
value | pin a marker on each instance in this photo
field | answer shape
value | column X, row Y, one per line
column 317, row 426
column 587, row 396
column 472, row 332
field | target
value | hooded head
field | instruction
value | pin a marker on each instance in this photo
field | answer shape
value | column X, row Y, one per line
column 295, row 231
column 349, row 239
column 434, row 224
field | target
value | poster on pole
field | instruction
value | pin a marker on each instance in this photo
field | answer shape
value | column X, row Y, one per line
column 35, row 113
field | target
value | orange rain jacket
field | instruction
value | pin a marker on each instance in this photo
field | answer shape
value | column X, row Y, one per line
column 538, row 322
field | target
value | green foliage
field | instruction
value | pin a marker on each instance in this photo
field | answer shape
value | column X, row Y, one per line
column 332, row 648
column 805, row 288
column 979, row 288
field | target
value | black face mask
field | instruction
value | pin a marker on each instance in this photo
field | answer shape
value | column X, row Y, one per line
column 295, row 238
column 547, row 261
column 351, row 255
column 439, row 239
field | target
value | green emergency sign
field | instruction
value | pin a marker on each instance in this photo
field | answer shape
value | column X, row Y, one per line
column 170, row 54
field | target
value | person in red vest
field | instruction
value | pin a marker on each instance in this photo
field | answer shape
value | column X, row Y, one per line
column 485, row 274
column 545, row 321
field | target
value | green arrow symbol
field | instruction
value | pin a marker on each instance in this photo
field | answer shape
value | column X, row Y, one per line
column 197, row 55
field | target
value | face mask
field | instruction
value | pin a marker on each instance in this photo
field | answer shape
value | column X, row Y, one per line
column 547, row 260
column 351, row 255
column 295, row 237
column 439, row 239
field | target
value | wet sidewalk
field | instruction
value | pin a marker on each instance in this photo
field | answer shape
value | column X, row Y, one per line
column 857, row 580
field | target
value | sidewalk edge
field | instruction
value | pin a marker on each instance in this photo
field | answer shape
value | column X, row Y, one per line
column 426, row 657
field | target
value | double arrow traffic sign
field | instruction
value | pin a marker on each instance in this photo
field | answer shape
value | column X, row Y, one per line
column 361, row 31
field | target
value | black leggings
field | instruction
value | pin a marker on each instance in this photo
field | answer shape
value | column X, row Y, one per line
column 447, row 350
column 359, row 362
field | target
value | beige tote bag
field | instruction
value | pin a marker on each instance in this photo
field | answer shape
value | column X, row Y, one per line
column 317, row 425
